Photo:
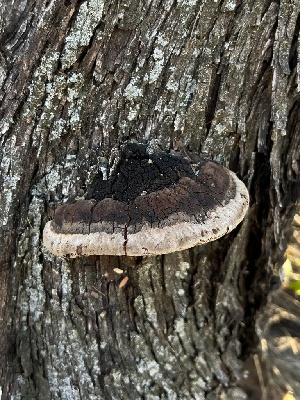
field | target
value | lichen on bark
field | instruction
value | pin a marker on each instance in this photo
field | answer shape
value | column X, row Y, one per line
column 215, row 79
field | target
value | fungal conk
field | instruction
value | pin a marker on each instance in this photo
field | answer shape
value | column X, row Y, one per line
column 152, row 203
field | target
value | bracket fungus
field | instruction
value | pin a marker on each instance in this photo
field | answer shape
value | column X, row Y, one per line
column 152, row 203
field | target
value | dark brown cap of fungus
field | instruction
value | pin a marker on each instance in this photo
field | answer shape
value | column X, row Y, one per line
column 151, row 204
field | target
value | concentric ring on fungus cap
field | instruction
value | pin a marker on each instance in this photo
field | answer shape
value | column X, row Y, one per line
column 151, row 204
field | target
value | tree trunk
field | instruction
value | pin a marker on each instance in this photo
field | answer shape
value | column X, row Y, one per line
column 219, row 79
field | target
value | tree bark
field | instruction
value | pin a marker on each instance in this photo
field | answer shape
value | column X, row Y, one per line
column 216, row 79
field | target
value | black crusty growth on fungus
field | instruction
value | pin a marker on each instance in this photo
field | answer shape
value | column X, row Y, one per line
column 138, row 172
column 152, row 203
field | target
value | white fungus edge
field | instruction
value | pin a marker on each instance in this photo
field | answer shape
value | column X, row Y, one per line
column 151, row 241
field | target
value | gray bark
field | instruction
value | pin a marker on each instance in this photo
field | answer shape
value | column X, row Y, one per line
column 219, row 79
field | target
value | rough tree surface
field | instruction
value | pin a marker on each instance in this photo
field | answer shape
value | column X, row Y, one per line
column 216, row 79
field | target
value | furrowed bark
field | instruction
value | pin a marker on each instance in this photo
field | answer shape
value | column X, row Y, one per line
column 214, row 79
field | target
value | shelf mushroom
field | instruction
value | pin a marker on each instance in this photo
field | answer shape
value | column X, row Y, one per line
column 152, row 203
